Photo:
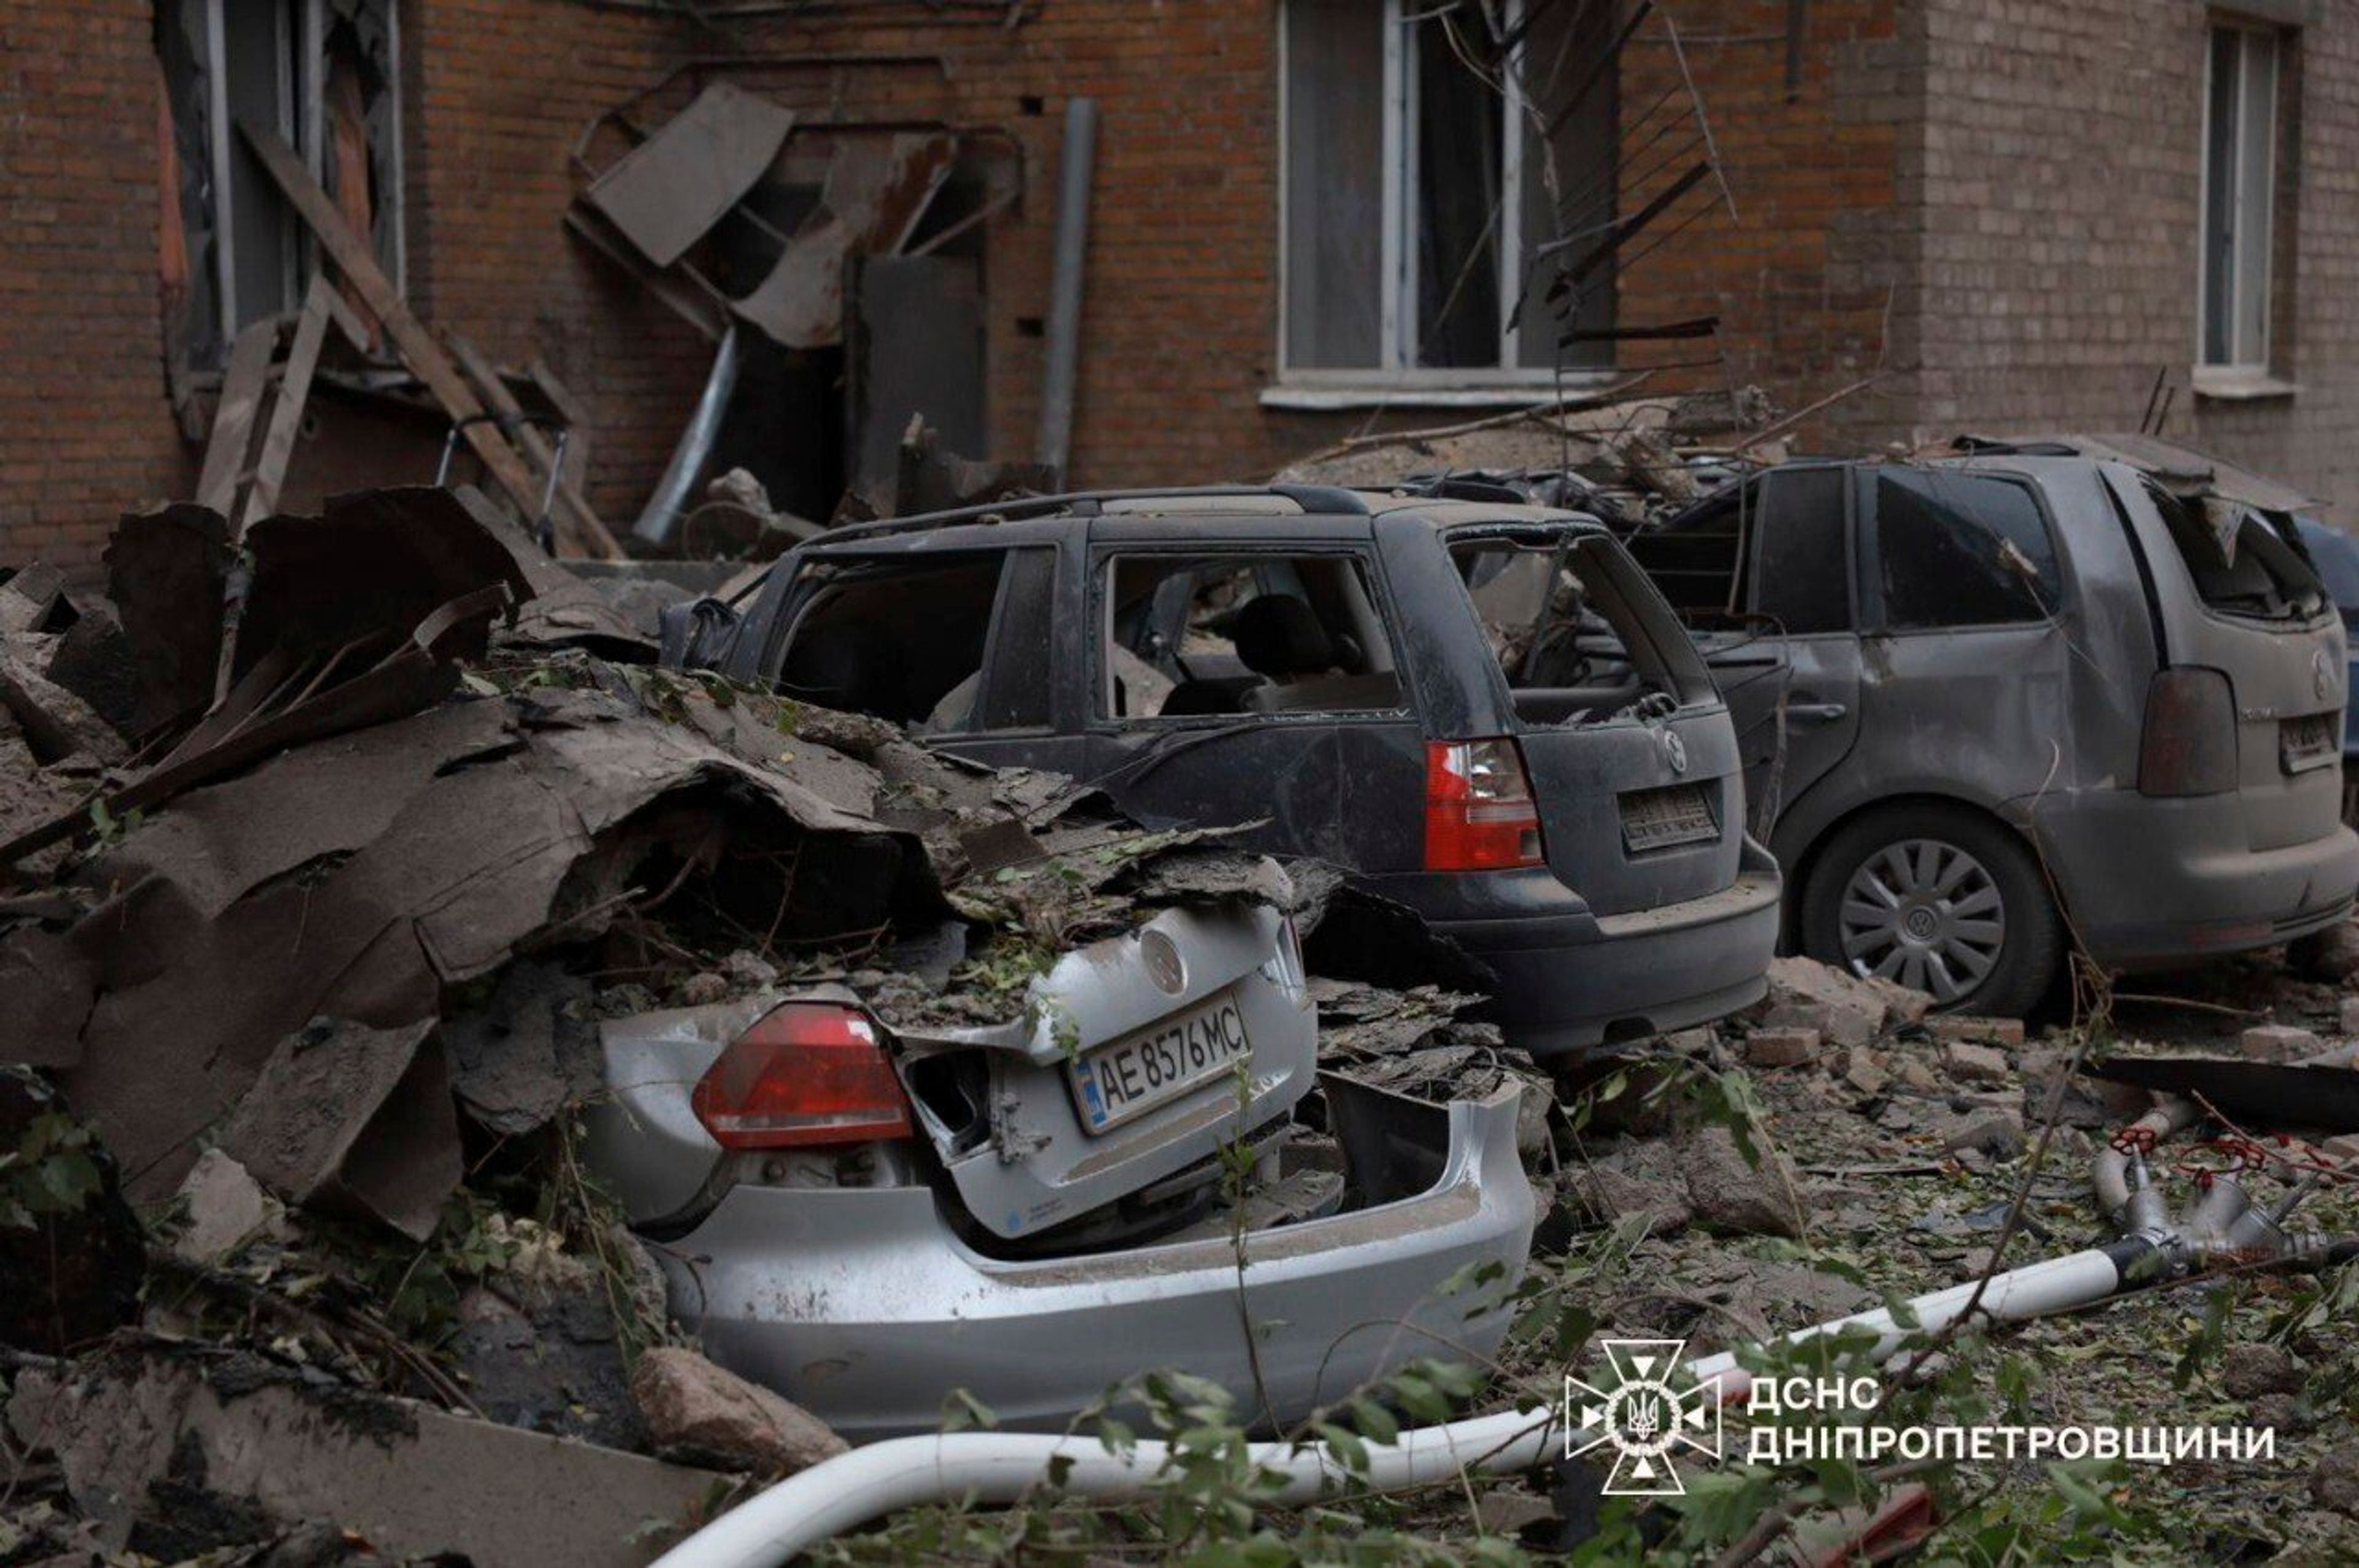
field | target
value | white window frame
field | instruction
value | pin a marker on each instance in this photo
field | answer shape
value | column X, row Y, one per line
column 2248, row 360
column 1400, row 377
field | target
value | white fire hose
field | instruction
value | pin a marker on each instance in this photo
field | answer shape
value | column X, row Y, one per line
column 1004, row 1468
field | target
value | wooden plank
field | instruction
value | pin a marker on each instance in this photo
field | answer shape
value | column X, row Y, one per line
column 286, row 408
column 240, row 397
column 410, row 338
column 568, row 504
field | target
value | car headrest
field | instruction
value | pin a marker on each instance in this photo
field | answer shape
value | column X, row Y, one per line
column 1277, row 635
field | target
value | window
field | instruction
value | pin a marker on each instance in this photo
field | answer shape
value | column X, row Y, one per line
column 1571, row 634
column 1419, row 182
column 1185, row 636
column 2240, row 152
column 1962, row 550
column 906, row 640
column 1695, row 557
column 323, row 73
column 1804, row 569
column 2240, row 565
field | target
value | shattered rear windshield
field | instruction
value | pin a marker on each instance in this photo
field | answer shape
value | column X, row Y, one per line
column 1560, row 614
column 2241, row 564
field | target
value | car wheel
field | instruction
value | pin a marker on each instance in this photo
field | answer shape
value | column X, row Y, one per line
column 1940, row 899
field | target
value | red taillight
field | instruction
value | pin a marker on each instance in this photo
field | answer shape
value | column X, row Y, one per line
column 806, row 1073
column 2188, row 745
column 1479, row 811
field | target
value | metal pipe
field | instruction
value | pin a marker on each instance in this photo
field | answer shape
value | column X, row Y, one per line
column 662, row 509
column 1000, row 1468
column 1075, row 166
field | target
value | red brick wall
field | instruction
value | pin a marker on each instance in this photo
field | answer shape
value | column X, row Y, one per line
column 85, row 424
column 1808, row 275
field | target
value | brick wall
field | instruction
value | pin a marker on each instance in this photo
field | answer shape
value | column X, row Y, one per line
column 84, row 423
column 2062, row 190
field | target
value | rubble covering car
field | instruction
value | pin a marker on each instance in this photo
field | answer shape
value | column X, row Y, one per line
column 1482, row 712
column 916, row 1075
column 1964, row 683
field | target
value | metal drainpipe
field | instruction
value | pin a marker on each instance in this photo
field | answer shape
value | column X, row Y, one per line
column 662, row 509
column 1076, row 166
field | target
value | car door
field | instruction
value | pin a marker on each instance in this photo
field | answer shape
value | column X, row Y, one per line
column 1790, row 675
column 1340, row 780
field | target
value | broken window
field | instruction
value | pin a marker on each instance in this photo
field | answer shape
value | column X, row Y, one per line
column 1962, row 550
column 906, row 640
column 1697, row 557
column 1803, row 580
column 2240, row 151
column 2240, row 563
column 1429, row 149
column 1188, row 635
column 1566, row 616
column 321, row 73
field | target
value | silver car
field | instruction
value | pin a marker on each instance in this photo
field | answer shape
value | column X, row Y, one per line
column 866, row 1217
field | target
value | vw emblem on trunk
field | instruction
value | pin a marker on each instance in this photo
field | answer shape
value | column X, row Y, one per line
column 1675, row 750
column 1163, row 964
column 2322, row 673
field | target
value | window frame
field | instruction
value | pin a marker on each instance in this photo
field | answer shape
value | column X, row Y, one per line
column 1757, row 542
column 1872, row 615
column 1397, row 370
column 1098, row 672
column 2239, row 362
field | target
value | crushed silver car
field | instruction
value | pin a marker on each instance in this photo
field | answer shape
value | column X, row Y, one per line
column 866, row 1212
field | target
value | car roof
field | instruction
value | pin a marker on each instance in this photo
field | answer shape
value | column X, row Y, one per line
column 1315, row 511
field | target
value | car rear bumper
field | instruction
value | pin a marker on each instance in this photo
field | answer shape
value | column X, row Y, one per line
column 862, row 1306
column 2152, row 883
column 1570, row 982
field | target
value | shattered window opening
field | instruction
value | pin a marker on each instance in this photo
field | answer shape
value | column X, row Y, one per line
column 902, row 641
column 1574, row 647
column 1426, row 162
column 1956, row 550
column 323, row 75
column 1697, row 558
column 2240, row 564
column 1189, row 636
column 2240, row 161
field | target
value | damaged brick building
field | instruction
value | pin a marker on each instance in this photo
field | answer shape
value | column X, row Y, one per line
column 1997, row 213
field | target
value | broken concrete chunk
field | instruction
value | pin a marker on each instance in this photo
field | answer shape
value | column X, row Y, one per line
column 55, row 723
column 692, row 1407
column 1998, row 1133
column 225, row 1209
column 1961, row 1026
column 1639, row 1179
column 1735, row 1197
column 148, row 1432
column 343, row 1116
column 1781, row 1047
column 516, row 1060
column 1806, row 994
column 2277, row 1042
column 2251, row 1368
column 1864, row 1071
column 2334, row 1483
column 1976, row 1064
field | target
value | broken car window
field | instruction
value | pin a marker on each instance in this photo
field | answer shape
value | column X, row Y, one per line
column 1962, row 550
column 2240, row 563
column 1695, row 557
column 898, row 640
column 1804, row 572
column 1188, row 635
column 1574, row 645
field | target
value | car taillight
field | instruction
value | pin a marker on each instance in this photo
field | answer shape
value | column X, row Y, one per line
column 806, row 1073
column 1479, row 811
column 2190, row 743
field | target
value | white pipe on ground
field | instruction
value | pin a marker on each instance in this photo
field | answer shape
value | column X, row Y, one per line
column 1002, row 1467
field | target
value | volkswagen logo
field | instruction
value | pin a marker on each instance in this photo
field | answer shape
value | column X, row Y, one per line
column 1675, row 750
column 1163, row 964
column 2322, row 673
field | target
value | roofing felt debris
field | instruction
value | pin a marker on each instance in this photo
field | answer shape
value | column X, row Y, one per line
column 667, row 193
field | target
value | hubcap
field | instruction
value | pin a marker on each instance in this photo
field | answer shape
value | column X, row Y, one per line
column 1924, row 913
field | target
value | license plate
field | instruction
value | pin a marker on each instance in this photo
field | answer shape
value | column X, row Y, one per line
column 1659, row 818
column 2310, row 743
column 1158, row 1065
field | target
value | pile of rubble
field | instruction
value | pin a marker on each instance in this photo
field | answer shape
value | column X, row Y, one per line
column 324, row 858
